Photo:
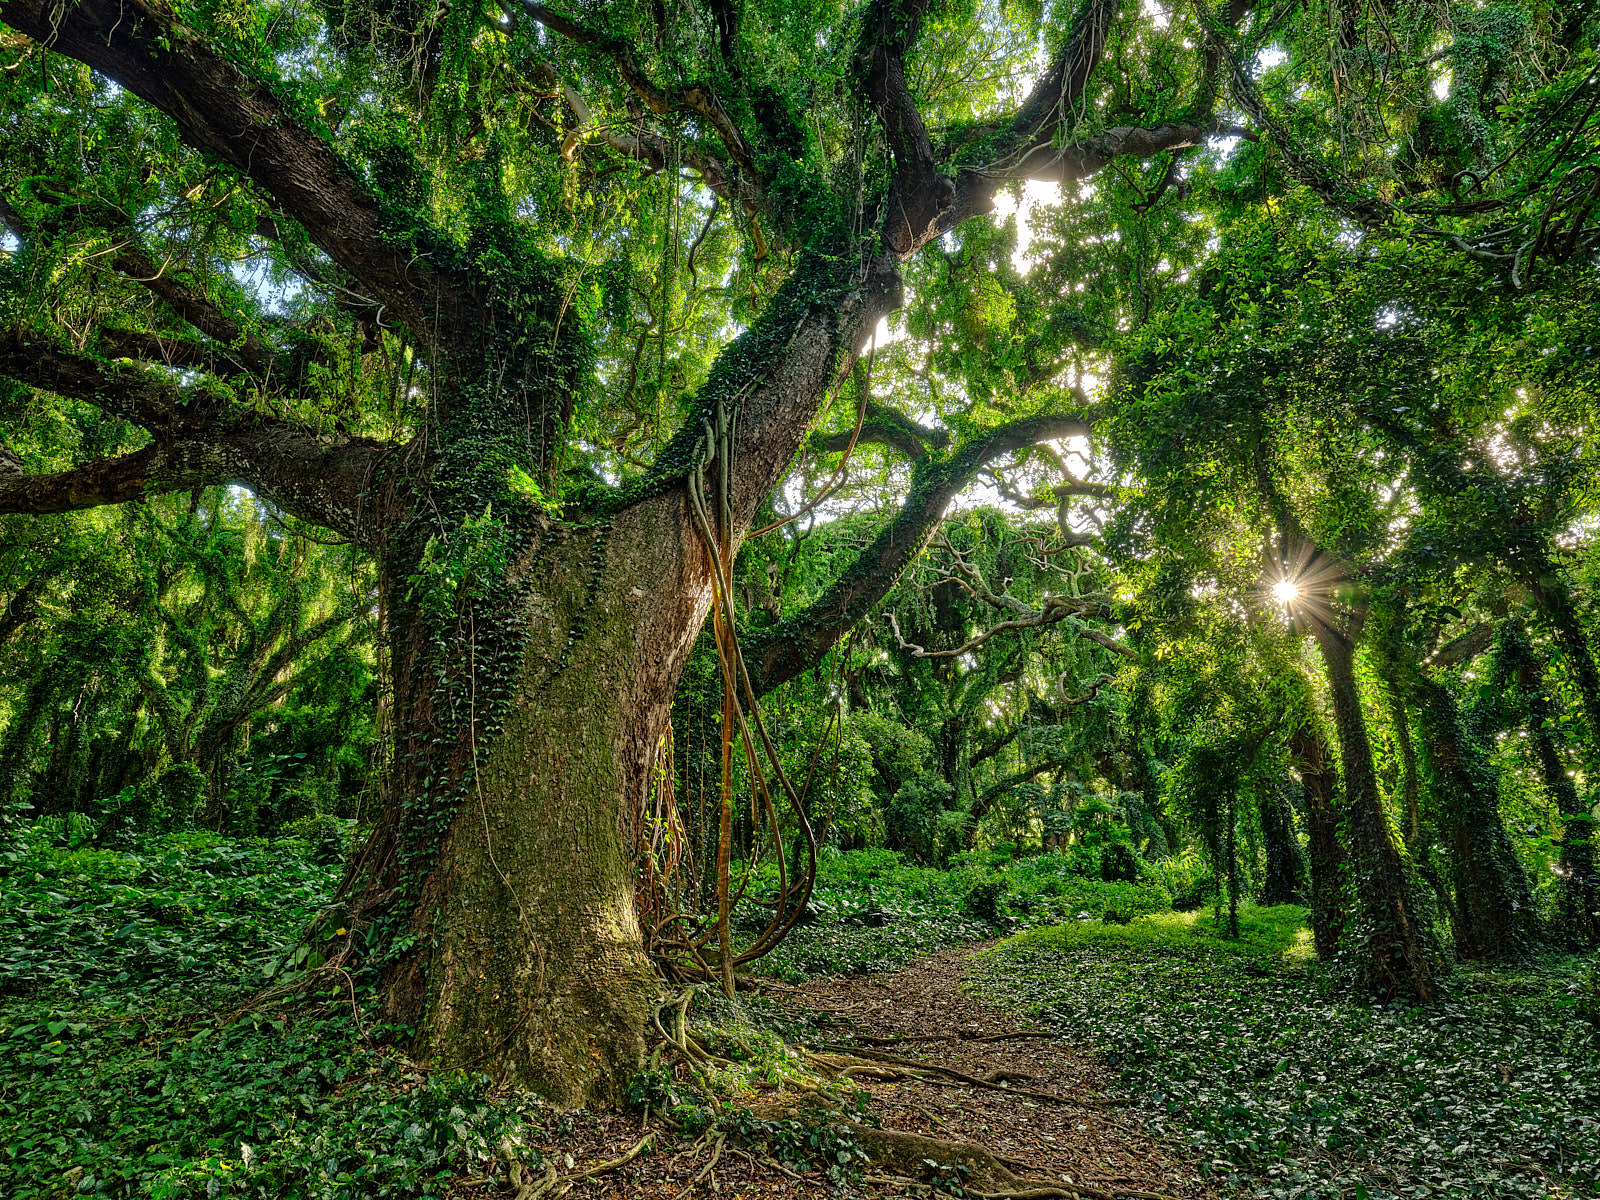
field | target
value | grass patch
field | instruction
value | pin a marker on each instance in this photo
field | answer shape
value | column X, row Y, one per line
column 876, row 912
column 1239, row 1049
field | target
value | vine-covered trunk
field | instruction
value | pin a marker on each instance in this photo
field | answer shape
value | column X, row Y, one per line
column 1410, row 793
column 1285, row 867
column 1577, row 920
column 1554, row 598
column 1330, row 908
column 1493, row 914
column 500, row 883
column 1394, row 952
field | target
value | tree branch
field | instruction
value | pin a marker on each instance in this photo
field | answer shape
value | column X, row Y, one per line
column 695, row 98
column 156, row 469
column 143, row 396
column 220, row 110
column 885, row 426
column 198, row 442
column 920, row 195
column 776, row 655
column 1054, row 609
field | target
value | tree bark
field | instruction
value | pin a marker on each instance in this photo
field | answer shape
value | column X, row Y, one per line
column 534, row 666
column 1285, row 867
column 1493, row 915
column 1577, row 918
column 1393, row 954
column 518, row 950
column 1330, row 902
column 1554, row 598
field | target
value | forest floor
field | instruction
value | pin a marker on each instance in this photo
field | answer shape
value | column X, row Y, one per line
column 140, row 1057
column 1039, row 1105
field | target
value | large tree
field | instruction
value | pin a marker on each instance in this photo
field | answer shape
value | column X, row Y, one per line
column 536, row 307
column 412, row 169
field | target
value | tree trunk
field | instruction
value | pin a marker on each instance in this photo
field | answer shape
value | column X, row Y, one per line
column 1394, row 954
column 1410, row 794
column 1285, row 868
column 1577, row 920
column 518, row 950
column 534, row 664
column 1493, row 915
column 1554, row 598
column 1330, row 904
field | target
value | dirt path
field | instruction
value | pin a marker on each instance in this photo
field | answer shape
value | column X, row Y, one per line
column 1067, row 1131
column 1044, row 1114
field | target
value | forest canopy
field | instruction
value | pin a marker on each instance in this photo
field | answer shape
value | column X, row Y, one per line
column 579, row 474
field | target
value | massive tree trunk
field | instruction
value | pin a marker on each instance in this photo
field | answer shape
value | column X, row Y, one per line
column 520, row 953
column 534, row 665
column 1393, row 954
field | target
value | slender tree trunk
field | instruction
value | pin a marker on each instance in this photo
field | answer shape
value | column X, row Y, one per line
column 1554, row 598
column 1394, row 954
column 1233, row 863
column 1493, row 916
column 1410, row 789
column 1285, row 867
column 1330, row 901
column 1577, row 921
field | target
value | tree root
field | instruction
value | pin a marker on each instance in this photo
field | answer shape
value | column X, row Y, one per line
column 994, row 1080
column 716, row 1157
column 552, row 1185
column 950, row 1037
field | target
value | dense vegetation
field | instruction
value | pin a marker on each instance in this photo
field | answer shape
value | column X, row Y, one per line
column 508, row 512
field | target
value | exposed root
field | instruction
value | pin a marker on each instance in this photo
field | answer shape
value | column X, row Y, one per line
column 845, row 1060
column 716, row 1157
column 551, row 1185
column 953, row 1037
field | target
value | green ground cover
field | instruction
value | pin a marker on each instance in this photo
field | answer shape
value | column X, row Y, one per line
column 127, row 1069
column 1240, row 1049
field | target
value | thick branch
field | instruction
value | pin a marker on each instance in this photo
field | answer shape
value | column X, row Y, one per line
column 154, row 470
column 920, row 195
column 976, row 186
column 994, row 791
column 220, row 110
column 1468, row 646
column 323, row 480
column 166, row 350
column 1056, row 96
column 885, row 427
column 145, row 397
column 795, row 644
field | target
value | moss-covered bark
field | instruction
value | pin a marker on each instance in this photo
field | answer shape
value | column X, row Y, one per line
column 1327, row 862
column 1577, row 918
column 1493, row 914
column 505, row 896
column 1391, row 950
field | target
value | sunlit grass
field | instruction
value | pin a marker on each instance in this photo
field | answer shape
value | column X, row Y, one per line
column 1277, row 933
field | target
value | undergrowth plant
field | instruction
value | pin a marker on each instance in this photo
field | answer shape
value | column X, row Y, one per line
column 1241, row 1048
